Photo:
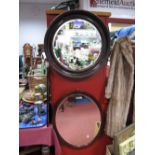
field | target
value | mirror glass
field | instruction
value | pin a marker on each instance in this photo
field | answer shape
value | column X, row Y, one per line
column 77, row 45
column 78, row 119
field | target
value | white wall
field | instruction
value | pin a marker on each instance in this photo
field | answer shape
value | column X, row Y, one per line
column 32, row 23
column 118, row 13
column 32, row 20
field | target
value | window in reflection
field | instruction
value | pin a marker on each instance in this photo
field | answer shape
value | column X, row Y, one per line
column 78, row 120
column 77, row 45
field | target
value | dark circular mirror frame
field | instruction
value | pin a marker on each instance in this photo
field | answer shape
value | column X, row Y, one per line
column 99, row 25
column 102, row 118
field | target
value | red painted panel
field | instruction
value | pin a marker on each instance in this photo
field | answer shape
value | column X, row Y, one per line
column 104, row 20
column 121, row 20
column 95, row 86
column 50, row 18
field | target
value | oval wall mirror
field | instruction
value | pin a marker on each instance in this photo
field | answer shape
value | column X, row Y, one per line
column 77, row 43
column 78, row 120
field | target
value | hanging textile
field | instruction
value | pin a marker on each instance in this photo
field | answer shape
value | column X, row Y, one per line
column 120, row 85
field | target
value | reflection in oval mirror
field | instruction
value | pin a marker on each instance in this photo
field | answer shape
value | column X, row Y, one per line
column 77, row 45
column 78, row 120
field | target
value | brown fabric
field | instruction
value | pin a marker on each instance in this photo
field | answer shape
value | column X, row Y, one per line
column 120, row 85
column 133, row 118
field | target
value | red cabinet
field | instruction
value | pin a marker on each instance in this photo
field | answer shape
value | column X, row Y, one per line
column 94, row 85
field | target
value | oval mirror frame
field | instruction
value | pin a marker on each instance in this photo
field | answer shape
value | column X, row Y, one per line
column 74, row 15
column 102, row 116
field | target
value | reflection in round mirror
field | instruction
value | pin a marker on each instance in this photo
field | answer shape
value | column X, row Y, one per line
column 77, row 45
column 78, row 120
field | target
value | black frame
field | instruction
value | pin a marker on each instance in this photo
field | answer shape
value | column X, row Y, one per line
column 94, row 20
column 103, row 119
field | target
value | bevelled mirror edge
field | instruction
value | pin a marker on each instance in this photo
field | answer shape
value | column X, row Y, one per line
column 102, row 125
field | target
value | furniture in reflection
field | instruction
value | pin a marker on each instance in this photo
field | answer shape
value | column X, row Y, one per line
column 94, row 85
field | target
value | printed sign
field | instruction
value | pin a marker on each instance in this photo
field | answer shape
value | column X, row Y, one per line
column 121, row 4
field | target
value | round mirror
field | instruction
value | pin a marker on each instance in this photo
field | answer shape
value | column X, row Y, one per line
column 78, row 120
column 77, row 43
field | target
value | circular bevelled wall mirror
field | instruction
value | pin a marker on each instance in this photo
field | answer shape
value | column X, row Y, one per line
column 77, row 44
column 78, row 119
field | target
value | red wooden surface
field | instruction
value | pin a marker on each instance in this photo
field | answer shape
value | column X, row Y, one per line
column 95, row 86
column 104, row 19
column 121, row 20
column 50, row 18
